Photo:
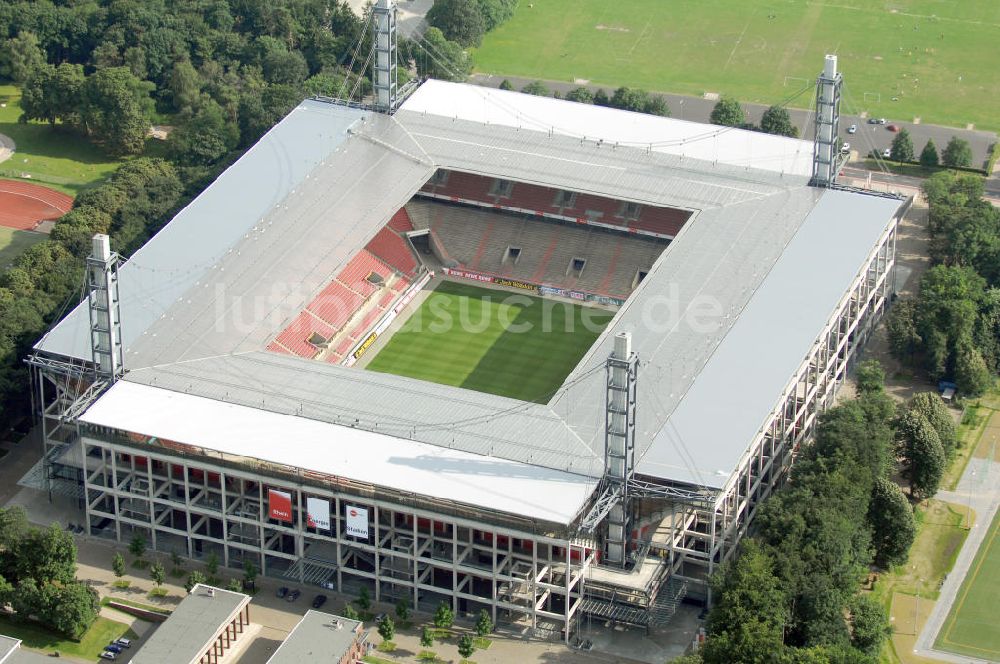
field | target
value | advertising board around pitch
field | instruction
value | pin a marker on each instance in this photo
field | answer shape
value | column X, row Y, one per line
column 356, row 523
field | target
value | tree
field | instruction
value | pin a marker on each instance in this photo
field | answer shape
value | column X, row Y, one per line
column 484, row 625
column 536, row 88
column 922, row 454
column 235, row 585
column 443, row 616
column 157, row 573
column 459, row 20
column 46, row 555
column 728, row 112
column 387, row 628
column 118, row 565
column 193, row 579
column 972, row 376
column 901, row 328
column 465, row 646
column 71, row 609
column 902, row 147
column 427, row 638
column 777, row 120
column 350, row 612
column 137, row 547
column 364, row 601
column 204, row 138
column 176, row 560
column 656, row 105
column 929, row 155
column 932, row 406
column 20, row 57
column 403, row 609
column 957, row 154
column 746, row 623
column 250, row 572
column 212, row 563
column 185, row 85
column 601, row 98
column 580, row 95
column 442, row 58
column 892, row 523
column 869, row 625
column 495, row 12
column 506, row 85
column 115, row 108
column 870, row 377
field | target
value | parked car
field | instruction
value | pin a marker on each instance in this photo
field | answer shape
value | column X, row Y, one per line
column 872, row 120
column 293, row 595
column 845, row 148
column 886, row 153
column 318, row 601
column 112, row 647
column 107, row 654
column 282, row 592
column 882, row 120
column 123, row 642
column 853, row 129
column 893, row 128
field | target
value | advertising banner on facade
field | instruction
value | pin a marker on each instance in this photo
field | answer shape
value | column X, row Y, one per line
column 318, row 513
column 357, row 521
column 279, row 505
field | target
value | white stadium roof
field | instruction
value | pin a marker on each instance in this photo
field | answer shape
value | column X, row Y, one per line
column 767, row 257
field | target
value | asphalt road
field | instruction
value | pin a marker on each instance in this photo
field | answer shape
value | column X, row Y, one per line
column 698, row 109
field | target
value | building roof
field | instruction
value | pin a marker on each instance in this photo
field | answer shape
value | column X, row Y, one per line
column 363, row 456
column 751, row 205
column 12, row 653
column 192, row 627
column 318, row 637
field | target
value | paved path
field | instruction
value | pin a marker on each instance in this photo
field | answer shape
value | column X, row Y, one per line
column 698, row 109
column 979, row 488
column 7, row 147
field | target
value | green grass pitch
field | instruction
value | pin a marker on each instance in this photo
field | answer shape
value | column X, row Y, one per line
column 938, row 58
column 492, row 341
column 972, row 628
column 14, row 242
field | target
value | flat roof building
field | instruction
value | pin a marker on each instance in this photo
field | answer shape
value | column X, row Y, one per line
column 322, row 638
column 202, row 627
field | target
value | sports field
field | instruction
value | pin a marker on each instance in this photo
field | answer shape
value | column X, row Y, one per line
column 937, row 58
column 13, row 242
column 492, row 341
column 972, row 627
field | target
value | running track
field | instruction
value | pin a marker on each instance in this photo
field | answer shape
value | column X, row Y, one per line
column 24, row 204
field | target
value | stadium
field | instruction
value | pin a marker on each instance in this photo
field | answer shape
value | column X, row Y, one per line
column 645, row 317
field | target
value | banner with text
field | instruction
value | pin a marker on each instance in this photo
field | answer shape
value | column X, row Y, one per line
column 357, row 521
column 542, row 289
column 318, row 513
column 280, row 505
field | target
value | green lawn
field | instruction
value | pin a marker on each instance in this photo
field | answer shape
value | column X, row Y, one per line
column 503, row 343
column 938, row 58
column 101, row 633
column 52, row 157
column 13, row 242
column 972, row 627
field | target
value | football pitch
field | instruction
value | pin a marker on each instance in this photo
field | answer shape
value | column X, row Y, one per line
column 903, row 59
column 14, row 242
column 972, row 628
column 504, row 343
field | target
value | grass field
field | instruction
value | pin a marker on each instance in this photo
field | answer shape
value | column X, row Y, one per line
column 972, row 627
column 100, row 634
column 53, row 158
column 490, row 341
column 13, row 242
column 938, row 58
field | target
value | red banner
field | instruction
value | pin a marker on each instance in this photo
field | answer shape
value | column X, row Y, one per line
column 280, row 505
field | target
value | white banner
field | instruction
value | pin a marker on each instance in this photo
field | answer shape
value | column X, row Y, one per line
column 318, row 513
column 357, row 521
